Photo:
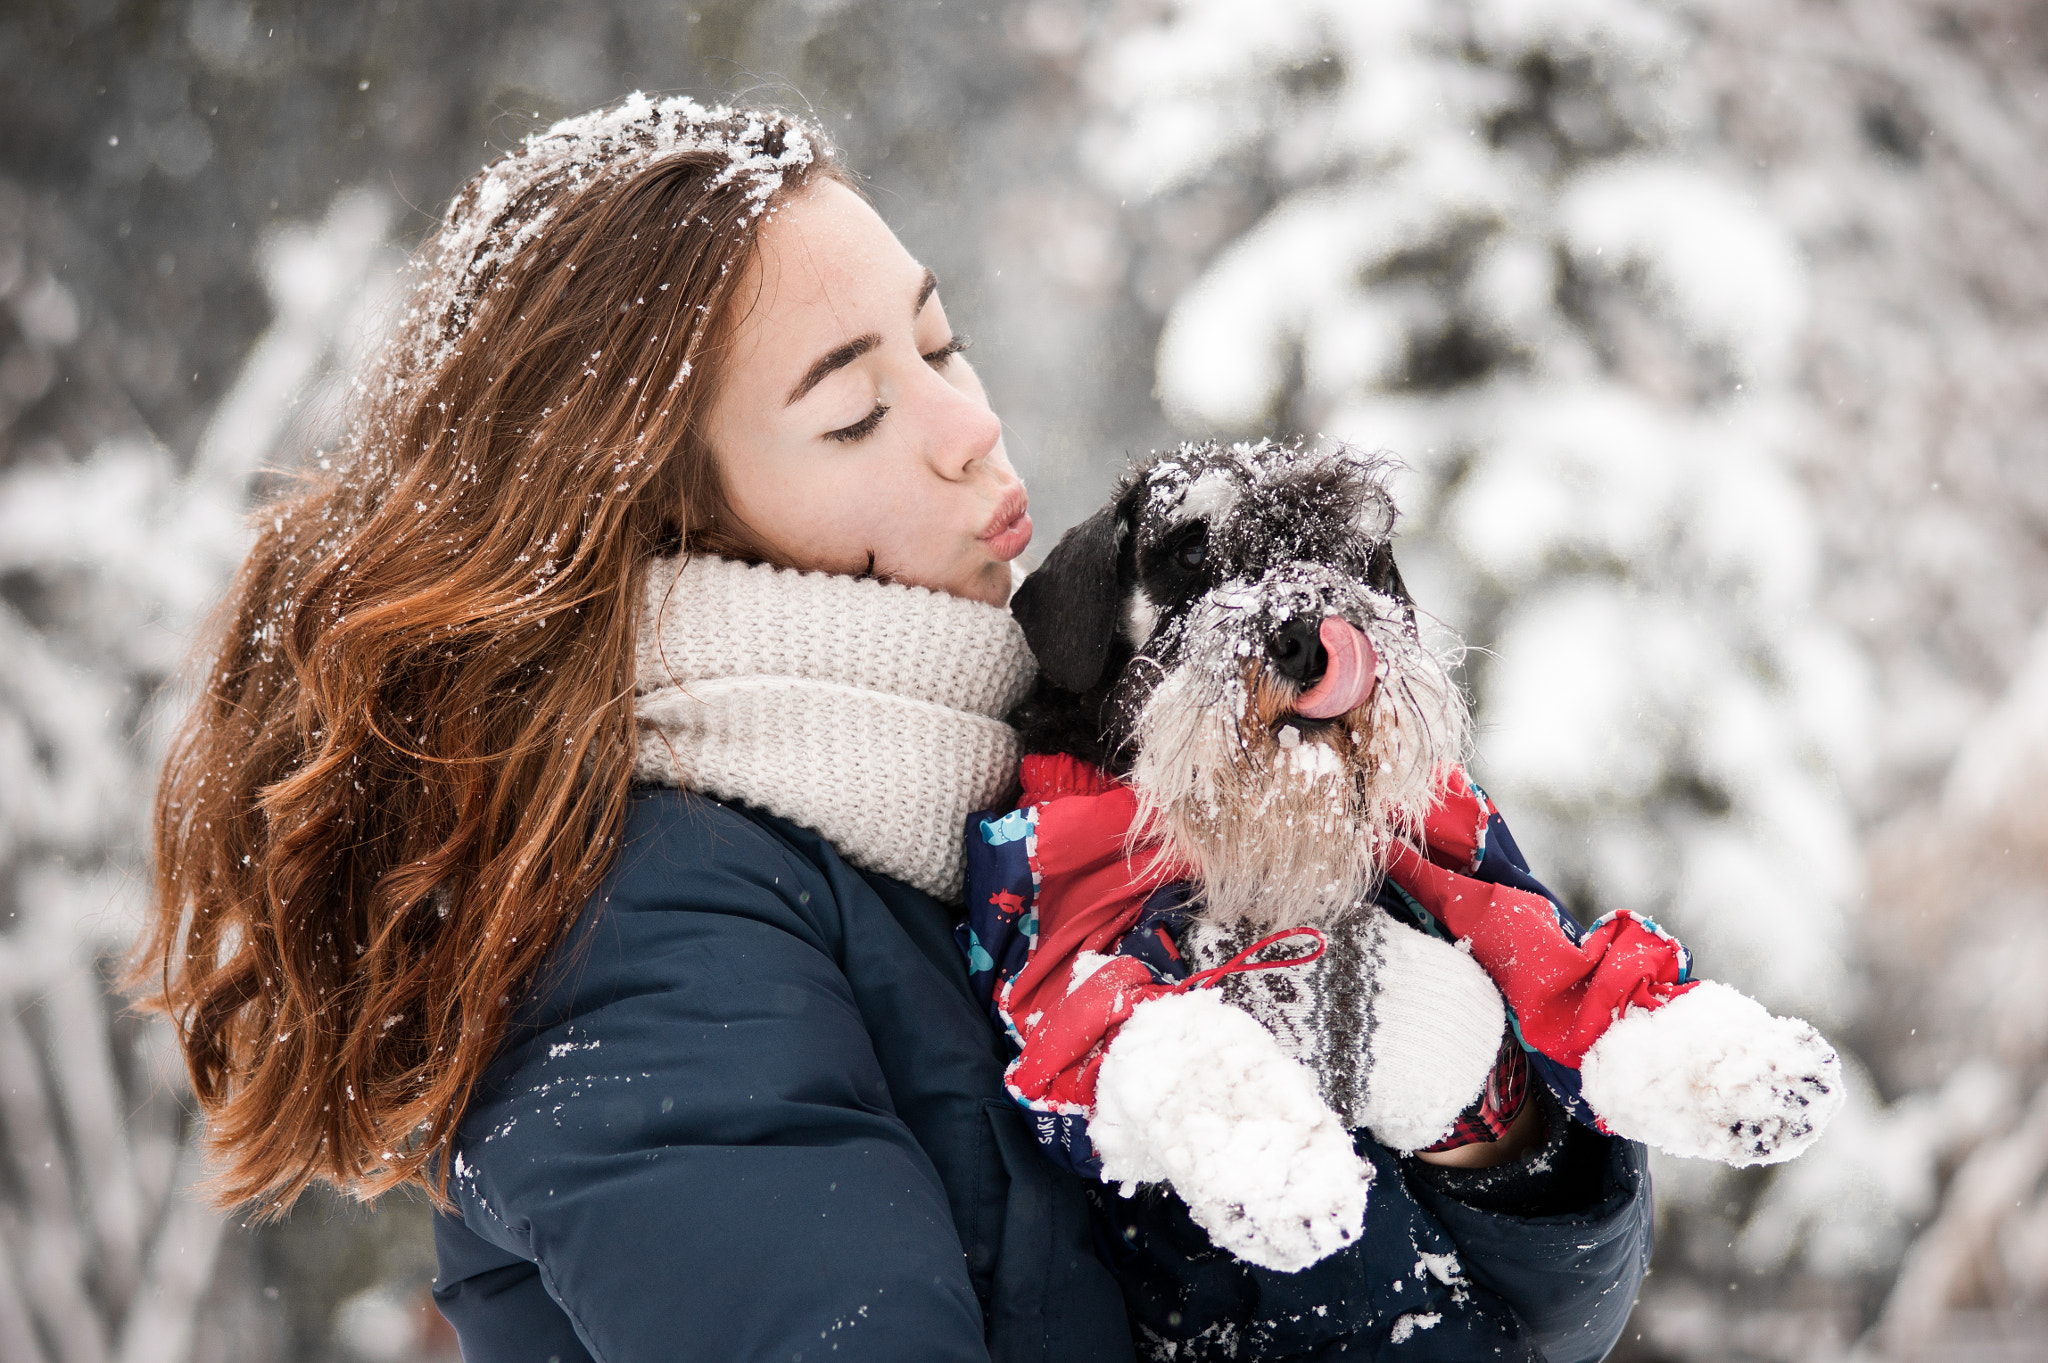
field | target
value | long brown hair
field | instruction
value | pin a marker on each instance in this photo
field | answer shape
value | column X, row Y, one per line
column 409, row 764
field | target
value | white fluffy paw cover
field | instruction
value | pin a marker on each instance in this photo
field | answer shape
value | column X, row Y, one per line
column 1195, row 1093
column 1437, row 1030
column 1714, row 1075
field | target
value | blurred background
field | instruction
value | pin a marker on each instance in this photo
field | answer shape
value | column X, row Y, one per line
column 1714, row 338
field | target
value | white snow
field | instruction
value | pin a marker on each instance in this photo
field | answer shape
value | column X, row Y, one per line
column 1309, row 762
column 1443, row 1267
column 1853, row 1206
column 1712, row 1075
column 330, row 285
column 483, row 235
column 1196, row 1093
column 1593, row 695
column 128, row 543
column 1210, row 496
column 382, row 1324
column 1994, row 774
column 1086, row 964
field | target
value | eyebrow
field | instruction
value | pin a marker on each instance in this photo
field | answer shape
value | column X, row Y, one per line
column 832, row 360
column 839, row 357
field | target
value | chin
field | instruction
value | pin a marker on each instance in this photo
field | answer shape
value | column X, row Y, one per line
column 990, row 585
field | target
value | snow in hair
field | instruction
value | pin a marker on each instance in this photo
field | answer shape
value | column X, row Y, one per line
column 505, row 208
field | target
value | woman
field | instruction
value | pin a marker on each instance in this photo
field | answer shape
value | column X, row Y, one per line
column 691, row 1072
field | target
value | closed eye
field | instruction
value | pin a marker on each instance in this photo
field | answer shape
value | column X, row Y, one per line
column 865, row 427
column 947, row 351
column 862, row 429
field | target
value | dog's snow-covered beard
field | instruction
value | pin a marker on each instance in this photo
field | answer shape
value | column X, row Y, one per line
column 1239, row 585
column 1285, row 820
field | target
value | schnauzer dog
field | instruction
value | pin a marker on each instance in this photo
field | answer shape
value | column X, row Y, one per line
column 1230, row 636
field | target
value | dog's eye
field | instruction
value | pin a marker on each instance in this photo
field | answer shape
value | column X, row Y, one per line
column 1193, row 554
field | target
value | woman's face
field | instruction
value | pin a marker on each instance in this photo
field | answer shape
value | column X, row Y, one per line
column 850, row 434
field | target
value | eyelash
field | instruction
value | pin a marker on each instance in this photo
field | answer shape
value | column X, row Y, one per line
column 862, row 429
column 865, row 427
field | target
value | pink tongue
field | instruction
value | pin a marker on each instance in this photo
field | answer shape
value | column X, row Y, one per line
column 1354, row 667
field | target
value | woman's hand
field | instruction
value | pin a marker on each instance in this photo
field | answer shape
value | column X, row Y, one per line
column 1524, row 1133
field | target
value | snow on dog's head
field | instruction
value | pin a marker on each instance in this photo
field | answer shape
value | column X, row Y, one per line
column 1231, row 634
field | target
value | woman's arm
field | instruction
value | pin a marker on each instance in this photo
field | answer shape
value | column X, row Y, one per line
column 695, row 1145
column 1562, row 1233
column 497, row 1302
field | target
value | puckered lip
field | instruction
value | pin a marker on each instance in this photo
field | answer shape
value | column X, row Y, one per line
column 1015, row 503
column 1009, row 526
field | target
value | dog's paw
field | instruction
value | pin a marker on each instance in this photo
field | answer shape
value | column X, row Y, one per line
column 1437, row 1025
column 1195, row 1093
column 1713, row 1075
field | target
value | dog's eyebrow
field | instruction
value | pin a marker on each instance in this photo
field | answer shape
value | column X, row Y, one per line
column 832, row 360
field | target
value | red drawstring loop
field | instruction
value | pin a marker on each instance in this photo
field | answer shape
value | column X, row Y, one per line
column 1243, row 960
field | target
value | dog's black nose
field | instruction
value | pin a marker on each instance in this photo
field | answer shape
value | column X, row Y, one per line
column 1299, row 653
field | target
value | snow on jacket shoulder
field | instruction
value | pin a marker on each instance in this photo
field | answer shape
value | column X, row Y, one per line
column 752, row 1111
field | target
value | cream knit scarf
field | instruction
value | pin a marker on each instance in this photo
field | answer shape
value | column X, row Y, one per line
column 869, row 712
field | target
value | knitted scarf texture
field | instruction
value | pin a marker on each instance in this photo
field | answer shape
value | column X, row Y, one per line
column 867, row 711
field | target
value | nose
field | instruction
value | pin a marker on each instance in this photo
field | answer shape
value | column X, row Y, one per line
column 1298, row 652
column 963, row 430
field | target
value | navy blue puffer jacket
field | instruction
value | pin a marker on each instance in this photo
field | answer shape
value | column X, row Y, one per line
column 753, row 1111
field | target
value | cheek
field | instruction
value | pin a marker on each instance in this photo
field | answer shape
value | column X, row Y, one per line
column 795, row 505
column 837, row 512
column 823, row 509
column 903, row 521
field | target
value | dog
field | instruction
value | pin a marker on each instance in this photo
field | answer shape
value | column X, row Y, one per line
column 1232, row 639
column 1229, row 642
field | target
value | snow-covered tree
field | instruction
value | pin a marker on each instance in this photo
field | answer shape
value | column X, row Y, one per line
column 1901, row 144
column 113, row 550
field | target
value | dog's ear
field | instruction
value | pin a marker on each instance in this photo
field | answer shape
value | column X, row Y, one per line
column 1068, row 607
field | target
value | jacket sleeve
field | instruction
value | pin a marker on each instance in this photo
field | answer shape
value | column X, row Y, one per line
column 1563, row 1236
column 500, row 1309
column 692, row 1141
